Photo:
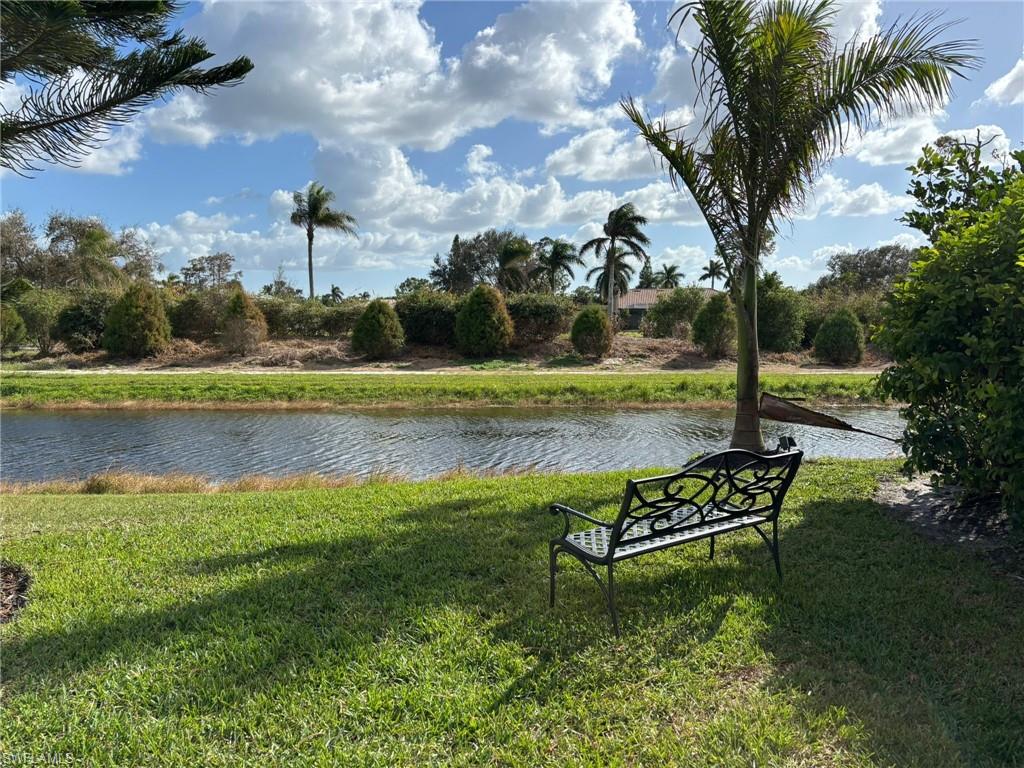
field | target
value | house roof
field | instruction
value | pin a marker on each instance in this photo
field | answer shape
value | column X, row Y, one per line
column 644, row 298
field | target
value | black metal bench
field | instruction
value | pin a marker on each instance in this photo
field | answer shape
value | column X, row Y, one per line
column 715, row 495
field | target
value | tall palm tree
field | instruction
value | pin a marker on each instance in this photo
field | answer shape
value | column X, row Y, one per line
column 622, row 228
column 780, row 97
column 312, row 212
column 615, row 270
column 668, row 276
column 715, row 270
column 555, row 258
column 513, row 260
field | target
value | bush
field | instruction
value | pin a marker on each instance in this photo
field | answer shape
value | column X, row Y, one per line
column 840, row 339
column 15, row 289
column 244, row 327
column 39, row 309
column 199, row 316
column 591, row 332
column 80, row 325
column 12, row 327
column 714, row 329
column 866, row 305
column 954, row 332
column 340, row 319
column 428, row 317
column 673, row 313
column 539, row 317
column 378, row 332
column 483, row 327
column 291, row 318
column 137, row 325
column 780, row 319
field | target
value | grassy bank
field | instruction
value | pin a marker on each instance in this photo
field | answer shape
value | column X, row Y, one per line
column 406, row 624
column 370, row 390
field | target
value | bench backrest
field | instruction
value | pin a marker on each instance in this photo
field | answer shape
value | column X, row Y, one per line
column 720, row 486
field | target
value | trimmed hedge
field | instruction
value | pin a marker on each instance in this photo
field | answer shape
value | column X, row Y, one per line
column 539, row 317
column 483, row 327
column 137, row 325
column 378, row 332
column 591, row 332
column 714, row 329
column 309, row 319
column 840, row 339
column 428, row 317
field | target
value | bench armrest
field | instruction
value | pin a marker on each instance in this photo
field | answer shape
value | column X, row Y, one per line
column 569, row 513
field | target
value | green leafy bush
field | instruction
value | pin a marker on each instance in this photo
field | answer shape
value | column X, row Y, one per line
column 12, row 327
column 714, row 328
column 428, row 317
column 591, row 332
column 539, row 317
column 137, row 325
column 378, row 332
column 341, row 318
column 291, row 318
column 244, row 327
column 39, row 309
column 955, row 331
column 80, row 324
column 199, row 316
column 673, row 313
column 840, row 339
column 483, row 327
column 819, row 304
column 780, row 319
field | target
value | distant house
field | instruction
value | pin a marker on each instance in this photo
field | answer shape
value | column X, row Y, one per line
column 636, row 301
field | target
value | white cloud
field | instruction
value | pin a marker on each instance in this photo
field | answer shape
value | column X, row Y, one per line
column 909, row 240
column 603, row 154
column 1009, row 89
column 832, row 195
column 856, row 20
column 116, row 154
column 477, row 163
column 823, row 254
column 901, row 142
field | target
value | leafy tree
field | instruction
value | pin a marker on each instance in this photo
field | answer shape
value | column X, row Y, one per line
column 668, row 276
column 954, row 331
column 513, row 264
column 952, row 176
column 39, row 309
column 312, row 212
column 646, row 278
column 12, row 327
column 137, row 324
column 673, row 314
column 213, row 271
column 591, row 333
column 623, row 234
column 840, row 339
column 714, row 328
column 869, row 269
column 470, row 262
column 614, row 267
column 281, row 287
column 87, row 67
column 583, row 295
column 483, row 327
column 779, row 98
column 715, row 270
column 411, row 285
column 555, row 260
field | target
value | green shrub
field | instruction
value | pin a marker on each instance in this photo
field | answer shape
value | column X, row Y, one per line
column 672, row 315
column 714, row 328
column 244, row 327
column 378, row 332
column 295, row 318
column 39, row 309
column 954, row 330
column 483, row 327
column 539, row 317
column 428, row 317
column 591, row 332
column 866, row 305
column 137, row 325
column 15, row 289
column 840, row 339
column 340, row 319
column 199, row 316
column 780, row 319
column 80, row 324
column 12, row 327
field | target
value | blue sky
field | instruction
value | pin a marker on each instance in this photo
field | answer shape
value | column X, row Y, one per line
column 443, row 118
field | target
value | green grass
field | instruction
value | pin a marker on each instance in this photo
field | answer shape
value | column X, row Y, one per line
column 21, row 389
column 407, row 624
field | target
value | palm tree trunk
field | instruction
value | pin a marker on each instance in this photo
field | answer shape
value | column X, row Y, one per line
column 611, row 282
column 309, row 241
column 746, row 432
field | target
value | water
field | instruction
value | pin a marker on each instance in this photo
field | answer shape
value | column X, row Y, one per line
column 226, row 444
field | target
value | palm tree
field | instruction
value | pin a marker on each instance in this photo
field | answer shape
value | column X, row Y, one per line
column 513, row 260
column 668, row 276
column 615, row 270
column 715, row 270
column 623, row 227
column 313, row 212
column 334, row 297
column 555, row 258
column 780, row 98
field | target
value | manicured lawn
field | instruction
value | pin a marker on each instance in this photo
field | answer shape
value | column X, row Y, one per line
column 269, row 390
column 407, row 625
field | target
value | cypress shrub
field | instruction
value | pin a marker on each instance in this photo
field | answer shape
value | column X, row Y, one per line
column 840, row 339
column 12, row 327
column 714, row 329
column 428, row 317
column 483, row 327
column 780, row 319
column 591, row 332
column 539, row 317
column 137, row 325
column 244, row 327
column 80, row 325
column 378, row 332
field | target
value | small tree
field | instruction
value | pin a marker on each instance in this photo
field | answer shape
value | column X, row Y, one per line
column 483, row 326
column 592, row 333
column 714, row 329
column 673, row 314
column 411, row 285
column 378, row 332
column 40, row 308
column 12, row 327
column 780, row 316
column 840, row 339
column 137, row 324
column 244, row 327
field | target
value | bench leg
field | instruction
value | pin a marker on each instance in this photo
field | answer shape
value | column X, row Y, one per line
column 611, row 599
column 775, row 547
column 712, row 540
column 554, row 568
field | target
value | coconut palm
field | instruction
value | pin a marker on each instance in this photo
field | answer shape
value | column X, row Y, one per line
column 780, row 97
column 715, row 270
column 554, row 259
column 668, row 276
column 622, row 228
column 615, row 270
column 312, row 212
column 513, row 261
